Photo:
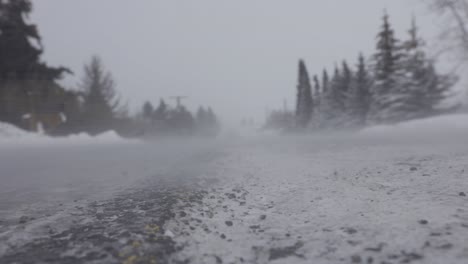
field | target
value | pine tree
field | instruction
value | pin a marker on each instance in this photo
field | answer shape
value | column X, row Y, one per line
column 360, row 95
column 324, row 103
column 20, row 59
column 389, row 93
column 317, row 91
column 346, row 78
column 316, row 118
column 27, row 85
column 438, row 89
column 148, row 110
column 426, row 88
column 161, row 112
column 201, row 116
column 344, row 87
column 415, row 65
column 332, row 110
column 304, row 105
column 181, row 121
column 212, row 119
column 325, row 81
column 100, row 99
column 213, row 123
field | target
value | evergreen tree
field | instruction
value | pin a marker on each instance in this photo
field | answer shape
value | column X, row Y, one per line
column 20, row 59
column 360, row 95
column 324, row 103
column 161, row 112
column 213, row 123
column 344, row 87
column 201, row 116
column 100, row 99
column 212, row 119
column 426, row 88
column 415, row 65
column 346, row 78
column 437, row 89
column 316, row 118
column 332, row 102
column 317, row 91
column 181, row 121
column 325, row 81
column 147, row 110
column 304, row 105
column 27, row 85
column 389, row 93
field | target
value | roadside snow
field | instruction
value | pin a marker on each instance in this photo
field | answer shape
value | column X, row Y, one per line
column 434, row 126
column 13, row 136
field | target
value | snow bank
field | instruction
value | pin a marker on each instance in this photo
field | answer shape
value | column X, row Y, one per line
column 435, row 126
column 11, row 135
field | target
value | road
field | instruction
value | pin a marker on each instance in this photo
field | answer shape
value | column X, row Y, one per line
column 270, row 199
column 96, row 203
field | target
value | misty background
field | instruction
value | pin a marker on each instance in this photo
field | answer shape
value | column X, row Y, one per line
column 237, row 56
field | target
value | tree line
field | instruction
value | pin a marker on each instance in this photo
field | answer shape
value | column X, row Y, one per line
column 32, row 98
column 166, row 120
column 399, row 82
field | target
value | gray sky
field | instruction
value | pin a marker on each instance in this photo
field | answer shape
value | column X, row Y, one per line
column 238, row 56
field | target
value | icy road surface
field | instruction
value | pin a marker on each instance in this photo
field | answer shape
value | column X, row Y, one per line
column 95, row 203
column 345, row 199
column 365, row 198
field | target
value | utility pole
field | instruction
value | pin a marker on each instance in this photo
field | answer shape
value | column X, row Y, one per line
column 178, row 100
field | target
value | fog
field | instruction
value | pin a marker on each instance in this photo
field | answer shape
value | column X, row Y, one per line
column 237, row 56
column 44, row 174
column 365, row 164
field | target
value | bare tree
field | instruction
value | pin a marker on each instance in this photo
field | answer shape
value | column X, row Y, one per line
column 455, row 12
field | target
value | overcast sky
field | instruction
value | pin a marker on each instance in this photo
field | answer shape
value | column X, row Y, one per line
column 239, row 56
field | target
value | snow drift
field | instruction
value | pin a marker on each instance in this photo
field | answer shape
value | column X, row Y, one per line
column 447, row 125
column 11, row 135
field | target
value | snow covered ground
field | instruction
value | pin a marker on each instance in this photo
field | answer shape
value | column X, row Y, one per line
column 386, row 195
column 394, row 194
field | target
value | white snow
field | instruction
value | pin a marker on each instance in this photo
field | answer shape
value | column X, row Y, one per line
column 12, row 136
column 361, row 198
column 434, row 126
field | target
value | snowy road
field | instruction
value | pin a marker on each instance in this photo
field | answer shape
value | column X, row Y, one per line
column 333, row 199
column 96, row 203
column 347, row 199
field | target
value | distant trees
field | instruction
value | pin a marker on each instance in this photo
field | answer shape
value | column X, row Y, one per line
column 400, row 83
column 101, row 111
column 165, row 120
column 207, row 123
column 31, row 97
column 283, row 120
